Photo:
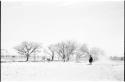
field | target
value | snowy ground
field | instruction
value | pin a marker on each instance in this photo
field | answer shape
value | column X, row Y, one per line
column 59, row 71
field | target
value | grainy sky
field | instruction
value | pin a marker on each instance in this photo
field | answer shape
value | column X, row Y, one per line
column 97, row 23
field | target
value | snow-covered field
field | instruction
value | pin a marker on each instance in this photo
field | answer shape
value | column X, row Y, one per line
column 59, row 71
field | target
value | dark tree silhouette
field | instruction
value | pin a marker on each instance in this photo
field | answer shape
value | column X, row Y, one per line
column 65, row 49
column 28, row 48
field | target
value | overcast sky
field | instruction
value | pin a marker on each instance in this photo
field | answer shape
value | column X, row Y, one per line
column 97, row 23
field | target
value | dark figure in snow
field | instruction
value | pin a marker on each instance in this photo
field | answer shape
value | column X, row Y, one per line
column 90, row 59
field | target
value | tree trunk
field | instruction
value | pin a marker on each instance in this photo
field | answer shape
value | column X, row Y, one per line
column 64, row 58
column 27, row 58
column 52, row 57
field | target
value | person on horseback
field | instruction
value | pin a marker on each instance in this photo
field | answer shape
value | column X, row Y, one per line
column 90, row 59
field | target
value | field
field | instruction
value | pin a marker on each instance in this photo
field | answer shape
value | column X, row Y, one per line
column 59, row 71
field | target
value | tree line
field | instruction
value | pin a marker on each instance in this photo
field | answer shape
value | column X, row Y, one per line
column 63, row 50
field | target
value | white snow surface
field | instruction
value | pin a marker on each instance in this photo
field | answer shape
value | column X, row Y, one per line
column 60, row 71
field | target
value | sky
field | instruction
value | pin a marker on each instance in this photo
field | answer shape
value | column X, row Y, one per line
column 96, row 23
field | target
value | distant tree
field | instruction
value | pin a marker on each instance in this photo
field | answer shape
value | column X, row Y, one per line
column 82, row 51
column 86, row 52
column 96, row 53
column 65, row 49
column 122, row 58
column 117, row 58
column 52, row 50
column 28, row 48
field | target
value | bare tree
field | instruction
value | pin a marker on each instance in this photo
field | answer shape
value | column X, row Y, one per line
column 52, row 50
column 28, row 48
column 86, row 52
column 65, row 49
column 96, row 53
column 83, row 51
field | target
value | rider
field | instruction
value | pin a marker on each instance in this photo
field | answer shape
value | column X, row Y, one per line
column 90, row 59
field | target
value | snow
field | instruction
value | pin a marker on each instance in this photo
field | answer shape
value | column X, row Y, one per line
column 60, row 71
